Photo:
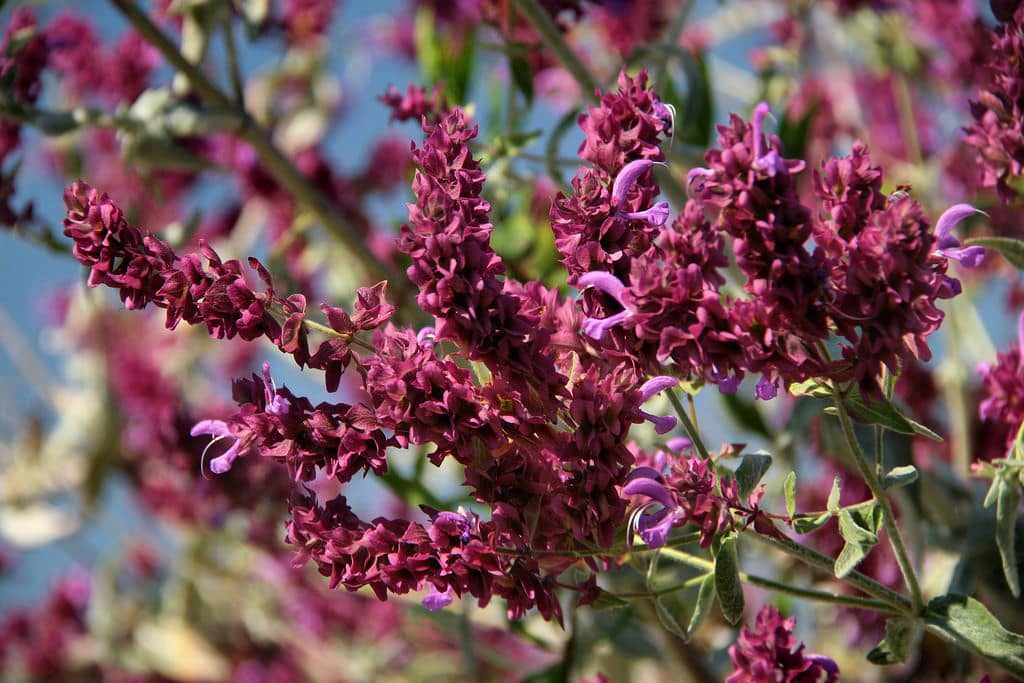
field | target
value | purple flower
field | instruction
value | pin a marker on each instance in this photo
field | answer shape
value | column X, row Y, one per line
column 771, row 162
column 657, row 215
column 1001, row 407
column 610, row 285
column 686, row 495
column 219, row 429
column 655, row 385
column 436, row 601
column 769, row 652
column 948, row 245
column 652, row 527
column 997, row 132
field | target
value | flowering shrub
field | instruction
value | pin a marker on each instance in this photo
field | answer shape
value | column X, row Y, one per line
column 504, row 466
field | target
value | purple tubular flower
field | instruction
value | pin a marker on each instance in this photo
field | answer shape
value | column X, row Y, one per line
column 655, row 385
column 276, row 404
column 426, row 337
column 653, row 528
column 627, row 178
column 770, row 162
column 766, row 389
column 436, row 601
column 948, row 245
column 678, row 443
column 218, row 429
column 324, row 487
column 657, row 215
column 610, row 285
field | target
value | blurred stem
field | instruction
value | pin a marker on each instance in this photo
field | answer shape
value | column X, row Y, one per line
column 279, row 165
column 688, row 425
column 234, row 68
column 908, row 124
column 892, row 529
column 554, row 41
column 770, row 584
column 323, row 329
column 671, row 36
column 24, row 357
column 953, row 377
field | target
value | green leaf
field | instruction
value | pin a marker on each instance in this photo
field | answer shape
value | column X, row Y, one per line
column 746, row 415
column 832, row 504
column 1011, row 249
column 564, row 125
column 702, row 606
column 606, row 600
column 668, row 620
column 859, row 542
column 899, row 476
column 884, row 414
column 811, row 387
column 522, row 76
column 750, row 472
column 789, row 490
column 805, row 525
column 728, row 586
column 968, row 623
column 1006, row 523
column 899, row 632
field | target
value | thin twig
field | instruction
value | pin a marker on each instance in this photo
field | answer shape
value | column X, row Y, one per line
column 279, row 165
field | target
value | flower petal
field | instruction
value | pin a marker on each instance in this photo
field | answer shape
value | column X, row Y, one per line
column 656, row 385
column 627, row 178
column 949, row 219
column 606, row 282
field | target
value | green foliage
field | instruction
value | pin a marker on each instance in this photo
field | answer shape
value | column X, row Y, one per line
column 728, row 586
column 1010, row 249
column 966, row 622
column 894, row 648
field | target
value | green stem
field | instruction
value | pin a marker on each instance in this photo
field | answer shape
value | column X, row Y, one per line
column 553, row 40
column 825, row 564
column 691, row 429
column 905, row 106
column 888, row 517
column 280, row 166
column 671, row 36
column 770, row 584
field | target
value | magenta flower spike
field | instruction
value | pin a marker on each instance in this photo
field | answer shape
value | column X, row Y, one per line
column 948, row 245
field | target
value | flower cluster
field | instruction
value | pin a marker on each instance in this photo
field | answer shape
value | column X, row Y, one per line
column 997, row 132
column 40, row 639
column 1001, row 409
column 21, row 68
column 88, row 72
column 145, row 269
column 769, row 652
column 868, row 270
